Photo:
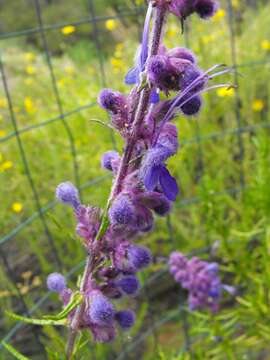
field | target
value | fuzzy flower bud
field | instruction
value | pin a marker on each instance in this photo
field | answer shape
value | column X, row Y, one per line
column 182, row 53
column 67, row 193
column 125, row 319
column 112, row 101
column 192, row 106
column 139, row 256
column 101, row 311
column 56, row 282
column 205, row 8
column 122, row 211
column 129, row 284
column 109, row 159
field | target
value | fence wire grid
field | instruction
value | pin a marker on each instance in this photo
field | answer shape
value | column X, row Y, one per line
column 63, row 120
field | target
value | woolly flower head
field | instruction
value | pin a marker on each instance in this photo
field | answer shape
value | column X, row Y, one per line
column 101, row 310
column 122, row 211
column 112, row 101
column 129, row 284
column 139, row 256
column 109, row 160
column 67, row 193
column 56, row 282
column 125, row 319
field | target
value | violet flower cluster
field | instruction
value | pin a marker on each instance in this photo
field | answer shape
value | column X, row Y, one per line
column 201, row 279
column 143, row 186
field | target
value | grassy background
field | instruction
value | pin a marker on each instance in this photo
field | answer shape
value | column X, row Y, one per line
column 236, row 222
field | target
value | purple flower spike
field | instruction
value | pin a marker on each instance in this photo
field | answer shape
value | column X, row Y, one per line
column 139, row 257
column 108, row 159
column 205, row 8
column 122, row 211
column 67, row 193
column 129, row 284
column 101, row 311
column 56, row 282
column 125, row 319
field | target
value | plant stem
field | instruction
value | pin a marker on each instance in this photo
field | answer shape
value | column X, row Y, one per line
column 143, row 102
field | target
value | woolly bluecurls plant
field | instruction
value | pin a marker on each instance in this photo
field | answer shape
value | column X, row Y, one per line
column 142, row 184
column 201, row 279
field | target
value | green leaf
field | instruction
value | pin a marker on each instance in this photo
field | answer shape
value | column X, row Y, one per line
column 14, row 352
column 41, row 322
column 75, row 300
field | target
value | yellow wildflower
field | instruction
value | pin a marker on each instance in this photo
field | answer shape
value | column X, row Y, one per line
column 265, row 45
column 3, row 133
column 3, row 103
column 222, row 92
column 28, row 81
column 117, row 63
column 6, row 165
column 29, row 105
column 206, row 39
column 17, row 207
column 69, row 29
column 110, row 24
column 257, row 105
column 220, row 14
column 61, row 82
column 172, row 31
column 36, row 281
column 24, row 289
column 29, row 56
column 119, row 47
column 69, row 70
column 30, row 70
column 235, row 4
column 26, row 275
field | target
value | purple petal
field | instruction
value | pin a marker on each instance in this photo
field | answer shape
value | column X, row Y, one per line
column 154, row 97
column 145, row 38
column 151, row 177
column 132, row 76
column 168, row 184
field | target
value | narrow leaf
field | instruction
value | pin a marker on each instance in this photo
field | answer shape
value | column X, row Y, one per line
column 41, row 322
column 14, row 352
column 75, row 300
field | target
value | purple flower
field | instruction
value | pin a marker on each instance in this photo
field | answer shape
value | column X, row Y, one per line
column 103, row 334
column 155, row 174
column 67, row 193
column 192, row 106
column 122, row 211
column 143, row 220
column 56, row 282
column 200, row 278
column 139, row 257
column 156, row 202
column 125, row 319
column 205, row 8
column 112, row 101
column 101, row 311
column 182, row 53
column 109, row 159
column 129, row 284
column 133, row 75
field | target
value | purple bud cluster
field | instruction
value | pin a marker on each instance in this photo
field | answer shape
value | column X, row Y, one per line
column 201, row 279
column 143, row 187
column 184, row 8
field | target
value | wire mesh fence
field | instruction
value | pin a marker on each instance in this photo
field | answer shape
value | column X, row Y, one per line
column 17, row 132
